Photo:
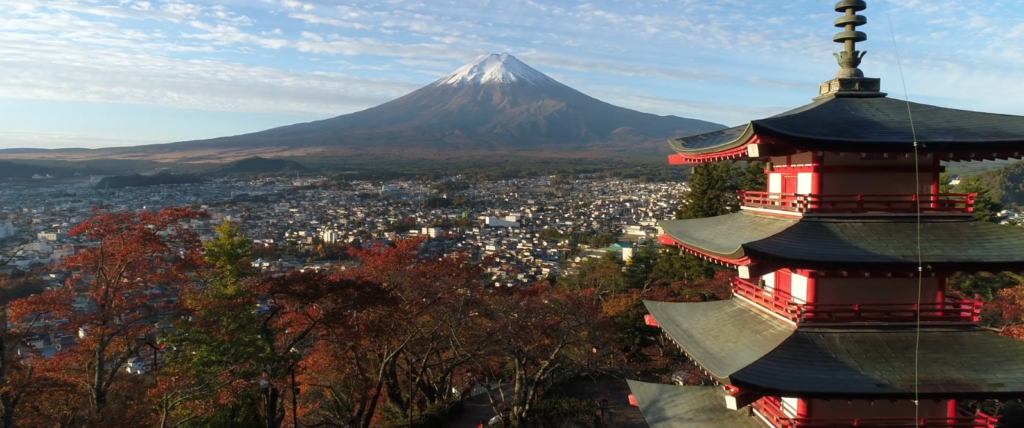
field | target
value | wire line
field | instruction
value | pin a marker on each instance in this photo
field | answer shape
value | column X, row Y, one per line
column 917, row 196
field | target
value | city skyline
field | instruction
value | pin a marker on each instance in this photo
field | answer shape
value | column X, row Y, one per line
column 93, row 73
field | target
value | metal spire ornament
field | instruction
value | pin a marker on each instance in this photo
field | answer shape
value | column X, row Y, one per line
column 850, row 80
column 849, row 59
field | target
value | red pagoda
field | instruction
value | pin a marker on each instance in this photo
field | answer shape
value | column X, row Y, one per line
column 839, row 315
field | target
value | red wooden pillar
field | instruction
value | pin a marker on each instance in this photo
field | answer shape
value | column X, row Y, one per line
column 815, row 178
column 951, row 412
column 812, row 287
column 803, row 411
column 935, row 180
column 940, row 297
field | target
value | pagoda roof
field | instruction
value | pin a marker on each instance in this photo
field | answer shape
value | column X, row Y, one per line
column 867, row 124
column 670, row 406
column 963, row 362
column 708, row 332
column 840, row 242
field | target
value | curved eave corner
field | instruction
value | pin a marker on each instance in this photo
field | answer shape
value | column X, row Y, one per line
column 734, row 259
column 744, row 146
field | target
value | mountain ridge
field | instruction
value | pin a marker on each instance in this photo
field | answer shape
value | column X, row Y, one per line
column 493, row 103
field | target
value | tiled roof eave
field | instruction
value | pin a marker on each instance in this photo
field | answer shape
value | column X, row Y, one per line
column 671, row 406
column 698, row 328
column 735, row 258
column 962, row 362
column 744, row 138
column 811, row 142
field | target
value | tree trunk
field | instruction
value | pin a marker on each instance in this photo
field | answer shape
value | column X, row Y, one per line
column 8, row 397
column 367, row 417
column 99, row 394
column 394, row 388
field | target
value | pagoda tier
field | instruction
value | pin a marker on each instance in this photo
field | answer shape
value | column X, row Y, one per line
column 862, row 122
column 881, row 245
column 737, row 344
column 669, row 406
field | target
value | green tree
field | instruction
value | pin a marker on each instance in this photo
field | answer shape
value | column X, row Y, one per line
column 986, row 207
column 229, row 255
column 603, row 274
column 752, row 177
column 674, row 265
column 222, row 335
column 641, row 266
column 1005, row 185
column 713, row 188
column 944, row 186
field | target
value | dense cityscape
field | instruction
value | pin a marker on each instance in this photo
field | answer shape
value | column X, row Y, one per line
column 531, row 229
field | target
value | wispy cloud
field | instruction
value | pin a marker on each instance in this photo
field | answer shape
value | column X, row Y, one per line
column 717, row 60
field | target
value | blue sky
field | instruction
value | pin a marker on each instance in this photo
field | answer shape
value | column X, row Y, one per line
column 95, row 73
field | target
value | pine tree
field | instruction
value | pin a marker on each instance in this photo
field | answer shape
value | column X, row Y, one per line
column 986, row 207
column 714, row 187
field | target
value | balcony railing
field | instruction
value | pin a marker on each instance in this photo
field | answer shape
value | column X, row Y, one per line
column 960, row 203
column 780, row 419
column 952, row 310
column 776, row 301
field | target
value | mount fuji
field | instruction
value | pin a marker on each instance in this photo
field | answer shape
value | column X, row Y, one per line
column 493, row 103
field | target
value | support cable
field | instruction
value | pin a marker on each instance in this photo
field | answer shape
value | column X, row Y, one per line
column 917, row 197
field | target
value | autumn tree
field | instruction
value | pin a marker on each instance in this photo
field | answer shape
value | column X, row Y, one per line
column 402, row 354
column 247, row 338
column 128, row 281
column 535, row 338
column 639, row 347
column 302, row 308
column 17, row 374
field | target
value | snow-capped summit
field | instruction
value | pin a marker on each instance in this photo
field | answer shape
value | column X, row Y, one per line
column 495, row 69
column 495, row 103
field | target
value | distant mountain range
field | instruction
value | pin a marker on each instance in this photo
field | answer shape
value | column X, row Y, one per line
column 494, row 103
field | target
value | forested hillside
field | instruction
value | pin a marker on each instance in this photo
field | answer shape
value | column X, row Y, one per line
column 1005, row 184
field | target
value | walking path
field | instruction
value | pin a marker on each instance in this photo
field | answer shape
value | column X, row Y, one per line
column 477, row 408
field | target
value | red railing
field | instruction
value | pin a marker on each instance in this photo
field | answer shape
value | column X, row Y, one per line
column 779, row 419
column 818, row 203
column 776, row 301
column 952, row 310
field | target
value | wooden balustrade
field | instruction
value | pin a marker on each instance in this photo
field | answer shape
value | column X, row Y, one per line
column 778, row 418
column 952, row 310
column 823, row 203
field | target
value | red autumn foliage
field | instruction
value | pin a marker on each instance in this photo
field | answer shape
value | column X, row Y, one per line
column 400, row 353
column 385, row 340
column 534, row 338
column 120, row 288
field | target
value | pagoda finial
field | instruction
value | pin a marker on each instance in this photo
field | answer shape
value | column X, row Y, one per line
column 850, row 58
column 850, row 81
